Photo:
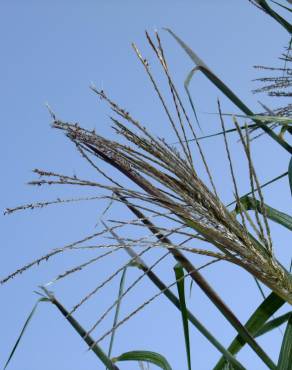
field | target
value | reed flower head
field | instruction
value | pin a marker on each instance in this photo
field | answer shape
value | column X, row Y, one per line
column 170, row 186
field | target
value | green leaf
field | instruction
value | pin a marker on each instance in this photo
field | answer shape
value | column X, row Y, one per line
column 147, row 356
column 117, row 311
column 290, row 174
column 81, row 331
column 285, row 358
column 275, row 15
column 253, row 125
column 282, row 121
column 179, row 275
column 201, row 66
column 262, row 186
column 265, row 310
column 273, row 324
column 281, row 218
column 282, row 6
column 262, row 118
column 23, row 330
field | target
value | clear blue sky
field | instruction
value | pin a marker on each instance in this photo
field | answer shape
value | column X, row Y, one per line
column 51, row 52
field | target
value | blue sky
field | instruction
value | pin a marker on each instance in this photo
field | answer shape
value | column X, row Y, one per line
column 51, row 53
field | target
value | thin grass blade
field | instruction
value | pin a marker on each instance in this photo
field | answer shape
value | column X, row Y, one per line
column 273, row 214
column 265, row 310
column 226, row 90
column 290, row 174
column 253, row 125
column 273, row 324
column 117, row 311
column 282, row 6
column 82, row 332
column 262, row 118
column 275, row 15
column 23, row 330
column 285, row 358
column 264, row 185
column 146, row 356
column 179, row 275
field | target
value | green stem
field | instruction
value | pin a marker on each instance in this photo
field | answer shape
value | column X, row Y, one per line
column 82, row 332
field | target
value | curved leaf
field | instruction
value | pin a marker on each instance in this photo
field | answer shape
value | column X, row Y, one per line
column 273, row 324
column 262, row 118
column 226, row 90
column 23, row 330
column 262, row 186
column 290, row 174
column 285, row 358
column 265, row 310
column 281, row 218
column 282, row 6
column 117, row 311
column 147, row 356
column 275, row 15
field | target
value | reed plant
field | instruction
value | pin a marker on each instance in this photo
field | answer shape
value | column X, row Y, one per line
column 163, row 183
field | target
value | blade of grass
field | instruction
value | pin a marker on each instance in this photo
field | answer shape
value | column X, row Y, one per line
column 225, row 89
column 285, row 358
column 262, row 118
column 275, row 15
column 264, row 185
column 179, row 275
column 260, row 288
column 172, row 298
column 290, row 174
column 23, row 330
column 273, row 324
column 253, row 125
column 117, row 311
column 282, row 6
column 147, row 356
column 273, row 214
column 82, row 332
column 265, row 310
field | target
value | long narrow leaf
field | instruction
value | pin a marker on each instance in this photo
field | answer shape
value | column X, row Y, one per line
column 23, row 330
column 117, row 311
column 262, row 118
column 265, row 310
column 200, row 65
column 147, row 356
column 179, row 275
column 82, row 332
column 253, row 125
column 273, row 324
column 282, row 6
column 285, row 358
column 273, row 214
column 275, row 15
column 262, row 186
column 290, row 174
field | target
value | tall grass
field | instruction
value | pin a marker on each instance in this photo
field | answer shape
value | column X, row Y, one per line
column 164, row 184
